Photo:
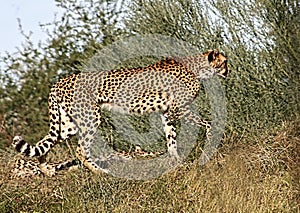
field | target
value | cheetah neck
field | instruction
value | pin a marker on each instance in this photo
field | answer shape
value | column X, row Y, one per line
column 199, row 65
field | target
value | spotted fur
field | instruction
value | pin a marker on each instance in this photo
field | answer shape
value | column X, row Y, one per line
column 168, row 86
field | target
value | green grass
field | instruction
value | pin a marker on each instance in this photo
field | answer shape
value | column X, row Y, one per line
column 262, row 176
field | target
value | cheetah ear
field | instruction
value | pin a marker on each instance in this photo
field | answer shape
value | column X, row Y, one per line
column 212, row 55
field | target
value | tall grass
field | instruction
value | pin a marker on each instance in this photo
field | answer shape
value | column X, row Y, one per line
column 263, row 177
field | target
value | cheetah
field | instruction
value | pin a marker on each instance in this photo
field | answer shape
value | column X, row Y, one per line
column 167, row 87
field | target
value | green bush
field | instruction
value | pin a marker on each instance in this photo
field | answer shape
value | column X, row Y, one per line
column 260, row 38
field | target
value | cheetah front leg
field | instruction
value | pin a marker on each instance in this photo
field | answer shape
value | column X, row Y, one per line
column 195, row 119
column 190, row 116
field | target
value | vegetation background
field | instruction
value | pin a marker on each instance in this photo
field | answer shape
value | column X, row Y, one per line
column 257, row 167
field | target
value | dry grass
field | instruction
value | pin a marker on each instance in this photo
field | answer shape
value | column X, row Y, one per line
column 261, row 177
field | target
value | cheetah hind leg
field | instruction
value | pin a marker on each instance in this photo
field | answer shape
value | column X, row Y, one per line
column 170, row 133
column 87, row 132
column 96, row 165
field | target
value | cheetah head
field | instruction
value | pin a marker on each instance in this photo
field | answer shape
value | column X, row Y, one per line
column 218, row 61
